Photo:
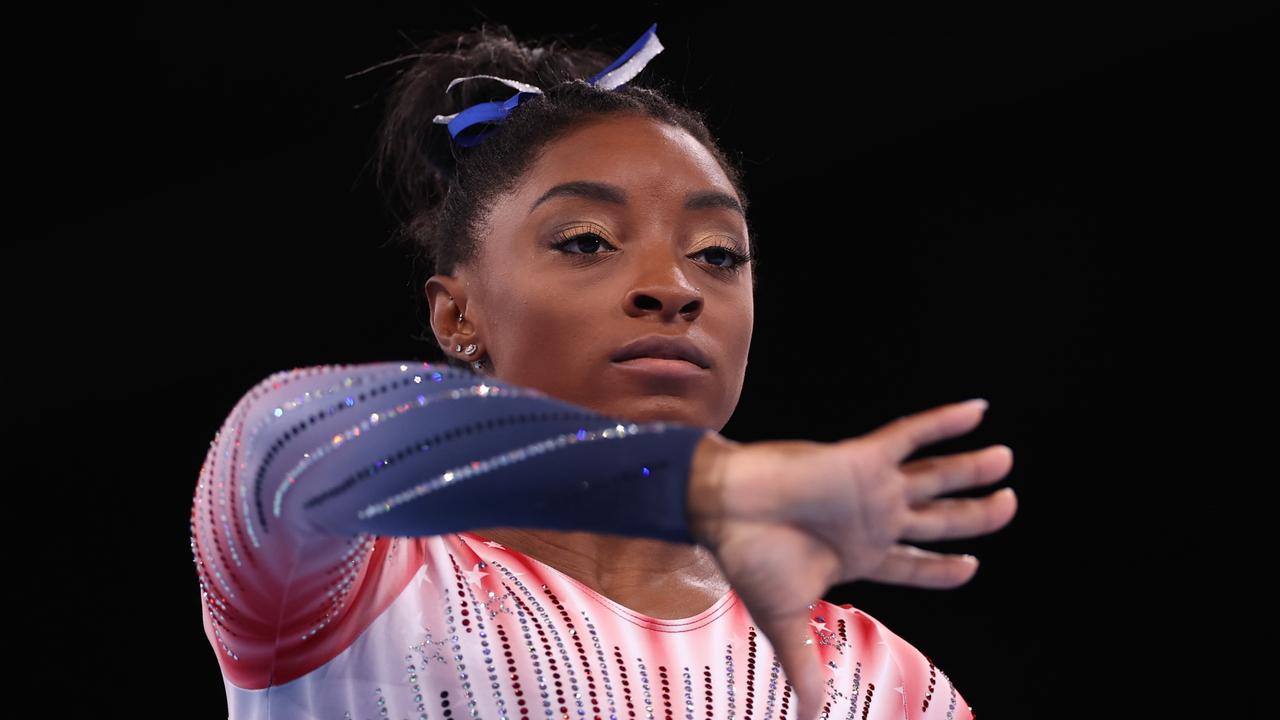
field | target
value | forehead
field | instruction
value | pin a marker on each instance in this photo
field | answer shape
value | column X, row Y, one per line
column 643, row 155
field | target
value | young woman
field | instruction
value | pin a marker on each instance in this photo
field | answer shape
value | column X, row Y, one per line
column 547, row 523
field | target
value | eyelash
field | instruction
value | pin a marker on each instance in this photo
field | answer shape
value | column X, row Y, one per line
column 740, row 260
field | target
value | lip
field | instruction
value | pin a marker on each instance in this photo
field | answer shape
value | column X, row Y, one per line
column 662, row 367
column 663, row 347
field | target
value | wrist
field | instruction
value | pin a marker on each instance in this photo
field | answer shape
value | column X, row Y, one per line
column 706, row 487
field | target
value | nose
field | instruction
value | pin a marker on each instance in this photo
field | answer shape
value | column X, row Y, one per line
column 668, row 300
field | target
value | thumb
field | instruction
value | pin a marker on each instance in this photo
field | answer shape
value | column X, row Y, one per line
column 793, row 644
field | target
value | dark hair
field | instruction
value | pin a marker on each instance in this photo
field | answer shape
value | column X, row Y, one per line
column 439, row 192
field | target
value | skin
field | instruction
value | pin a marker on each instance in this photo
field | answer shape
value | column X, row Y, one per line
column 550, row 319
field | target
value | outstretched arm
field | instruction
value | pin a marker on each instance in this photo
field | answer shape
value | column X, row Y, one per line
column 314, row 462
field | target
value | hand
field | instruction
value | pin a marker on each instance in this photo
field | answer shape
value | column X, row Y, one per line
column 788, row 519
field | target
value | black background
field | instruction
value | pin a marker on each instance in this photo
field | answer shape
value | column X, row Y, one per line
column 1031, row 203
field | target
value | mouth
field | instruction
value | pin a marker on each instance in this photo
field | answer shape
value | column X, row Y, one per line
column 674, row 348
column 661, row 367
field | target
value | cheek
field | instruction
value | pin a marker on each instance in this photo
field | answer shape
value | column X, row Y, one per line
column 537, row 331
column 741, row 325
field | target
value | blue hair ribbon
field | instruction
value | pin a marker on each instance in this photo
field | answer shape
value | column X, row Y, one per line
column 620, row 71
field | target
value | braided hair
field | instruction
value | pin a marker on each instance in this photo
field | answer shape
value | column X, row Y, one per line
column 440, row 192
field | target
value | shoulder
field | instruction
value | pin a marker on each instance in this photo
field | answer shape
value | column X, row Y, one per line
column 928, row 690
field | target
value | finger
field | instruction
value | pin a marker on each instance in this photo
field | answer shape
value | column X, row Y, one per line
column 933, row 476
column 949, row 518
column 793, row 643
column 917, row 567
column 907, row 434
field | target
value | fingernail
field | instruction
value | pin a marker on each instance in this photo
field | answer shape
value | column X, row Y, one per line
column 980, row 402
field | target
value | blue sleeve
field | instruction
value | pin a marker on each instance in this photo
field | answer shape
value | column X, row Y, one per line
column 411, row 448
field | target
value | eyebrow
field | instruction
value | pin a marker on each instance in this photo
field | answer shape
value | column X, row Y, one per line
column 604, row 192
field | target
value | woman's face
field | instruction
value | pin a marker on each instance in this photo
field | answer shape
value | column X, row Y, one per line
column 641, row 264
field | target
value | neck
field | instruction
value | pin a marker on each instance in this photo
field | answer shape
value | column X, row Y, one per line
column 612, row 562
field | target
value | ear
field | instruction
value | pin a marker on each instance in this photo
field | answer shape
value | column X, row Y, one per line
column 447, row 298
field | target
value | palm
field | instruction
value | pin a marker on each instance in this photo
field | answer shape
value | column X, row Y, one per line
column 762, row 563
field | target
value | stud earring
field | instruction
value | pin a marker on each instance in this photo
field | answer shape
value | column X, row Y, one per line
column 471, row 349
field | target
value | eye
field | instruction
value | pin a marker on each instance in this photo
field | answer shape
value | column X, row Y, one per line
column 735, row 259
column 578, row 240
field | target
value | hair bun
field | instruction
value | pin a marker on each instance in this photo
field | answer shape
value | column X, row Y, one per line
column 416, row 157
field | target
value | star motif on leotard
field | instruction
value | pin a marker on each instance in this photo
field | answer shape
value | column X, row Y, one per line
column 819, row 626
column 493, row 544
column 474, row 574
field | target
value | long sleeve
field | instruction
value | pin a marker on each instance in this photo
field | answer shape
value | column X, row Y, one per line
column 315, row 465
